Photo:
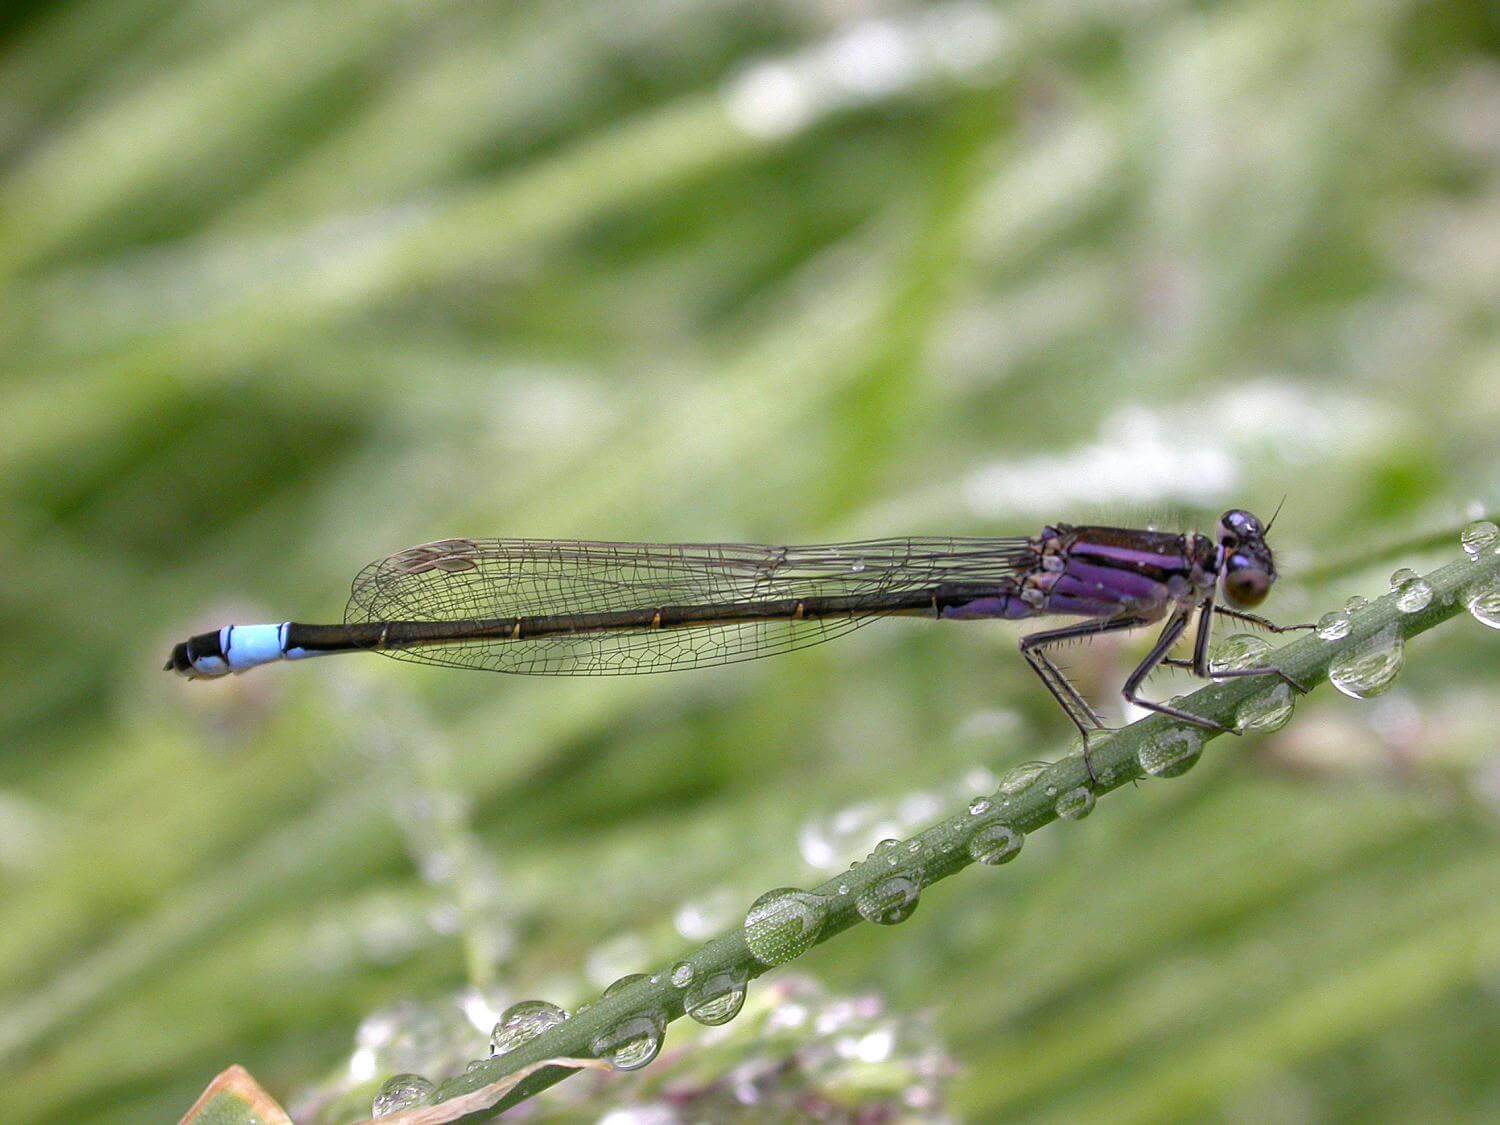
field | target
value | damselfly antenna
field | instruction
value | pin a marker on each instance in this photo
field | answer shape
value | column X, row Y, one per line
column 1274, row 514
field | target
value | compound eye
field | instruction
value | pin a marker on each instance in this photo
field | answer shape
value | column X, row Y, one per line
column 1247, row 585
column 1240, row 523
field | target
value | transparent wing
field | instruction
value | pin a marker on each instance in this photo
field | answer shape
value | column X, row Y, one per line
column 459, row 580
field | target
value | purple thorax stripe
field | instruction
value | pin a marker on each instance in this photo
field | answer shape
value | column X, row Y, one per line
column 1153, row 554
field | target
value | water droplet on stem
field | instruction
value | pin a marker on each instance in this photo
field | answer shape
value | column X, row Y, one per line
column 1265, row 711
column 632, row 1043
column 1413, row 592
column 1334, row 626
column 1237, row 652
column 1371, row 668
column 1479, row 538
column 996, row 844
column 718, row 998
column 523, row 1022
column 1484, row 607
column 399, row 1092
column 1173, row 753
column 783, row 924
column 1075, row 804
column 636, row 1039
column 889, row 900
column 1020, row 777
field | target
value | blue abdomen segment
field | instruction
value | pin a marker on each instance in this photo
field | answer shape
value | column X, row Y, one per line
column 246, row 646
column 235, row 648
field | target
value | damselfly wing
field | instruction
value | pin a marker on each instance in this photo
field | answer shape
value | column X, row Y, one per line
column 575, row 608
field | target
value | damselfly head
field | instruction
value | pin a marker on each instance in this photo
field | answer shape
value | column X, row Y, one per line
column 1249, row 569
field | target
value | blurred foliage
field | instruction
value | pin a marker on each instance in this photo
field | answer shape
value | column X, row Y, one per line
column 289, row 286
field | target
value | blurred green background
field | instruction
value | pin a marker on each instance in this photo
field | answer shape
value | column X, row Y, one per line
column 289, row 286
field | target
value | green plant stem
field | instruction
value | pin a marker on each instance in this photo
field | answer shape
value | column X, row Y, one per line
column 1115, row 757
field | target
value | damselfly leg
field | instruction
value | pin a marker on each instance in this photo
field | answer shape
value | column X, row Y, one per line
column 1199, row 664
column 1258, row 621
column 1170, row 634
column 1205, row 630
column 1034, row 648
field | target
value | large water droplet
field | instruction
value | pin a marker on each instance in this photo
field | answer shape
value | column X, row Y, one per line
column 1172, row 753
column 1265, row 711
column 1020, row 777
column 889, row 900
column 523, row 1022
column 1075, row 804
column 1485, row 608
column 783, row 924
column 632, row 1043
column 1334, row 626
column 1413, row 592
column 636, row 1039
column 998, row 843
column 1480, row 538
column 1239, row 651
column 718, row 998
column 889, row 850
column 401, row 1091
column 1371, row 668
column 622, row 984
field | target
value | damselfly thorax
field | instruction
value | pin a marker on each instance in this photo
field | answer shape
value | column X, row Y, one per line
column 578, row 608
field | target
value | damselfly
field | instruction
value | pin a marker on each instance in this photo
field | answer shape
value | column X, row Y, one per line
column 565, row 608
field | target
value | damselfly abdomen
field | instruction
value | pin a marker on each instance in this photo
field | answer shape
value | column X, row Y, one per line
column 567, row 608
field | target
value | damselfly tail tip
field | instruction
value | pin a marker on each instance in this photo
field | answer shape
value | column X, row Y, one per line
column 235, row 648
column 181, row 662
column 200, row 658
